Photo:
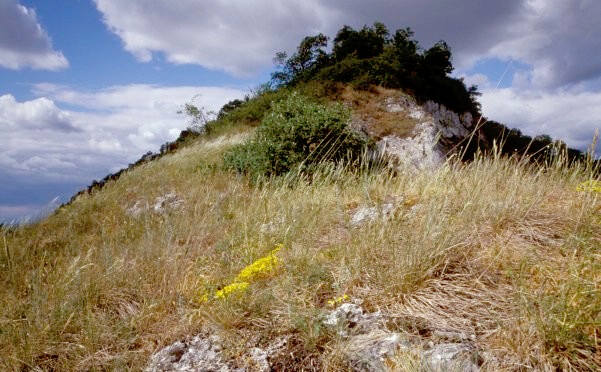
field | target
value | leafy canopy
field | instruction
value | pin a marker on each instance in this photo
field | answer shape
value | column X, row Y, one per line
column 372, row 56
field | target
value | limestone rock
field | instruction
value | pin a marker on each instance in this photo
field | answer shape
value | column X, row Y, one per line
column 162, row 204
column 367, row 343
column 368, row 352
column 461, row 357
column 197, row 354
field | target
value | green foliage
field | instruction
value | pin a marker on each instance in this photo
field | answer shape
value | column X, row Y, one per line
column 296, row 132
column 198, row 116
column 371, row 56
column 309, row 57
column 248, row 111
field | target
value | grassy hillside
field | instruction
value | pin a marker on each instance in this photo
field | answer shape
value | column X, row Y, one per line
column 217, row 235
column 502, row 249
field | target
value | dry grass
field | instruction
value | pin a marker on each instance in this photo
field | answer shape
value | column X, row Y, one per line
column 371, row 114
column 500, row 250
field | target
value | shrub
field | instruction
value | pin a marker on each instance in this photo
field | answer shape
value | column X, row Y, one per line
column 297, row 132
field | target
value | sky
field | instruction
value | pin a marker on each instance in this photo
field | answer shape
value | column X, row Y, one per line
column 89, row 86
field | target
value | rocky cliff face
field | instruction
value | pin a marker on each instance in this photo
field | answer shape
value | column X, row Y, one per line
column 421, row 136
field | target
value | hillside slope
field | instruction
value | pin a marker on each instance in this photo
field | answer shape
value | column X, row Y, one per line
column 498, row 258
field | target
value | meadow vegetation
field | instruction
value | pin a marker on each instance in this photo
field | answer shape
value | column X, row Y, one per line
column 500, row 247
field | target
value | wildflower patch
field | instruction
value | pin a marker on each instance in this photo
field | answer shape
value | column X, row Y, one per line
column 590, row 186
column 338, row 300
column 259, row 269
column 234, row 288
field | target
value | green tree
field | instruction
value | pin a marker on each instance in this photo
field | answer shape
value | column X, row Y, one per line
column 309, row 56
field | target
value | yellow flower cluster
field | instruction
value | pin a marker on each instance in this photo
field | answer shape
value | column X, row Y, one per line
column 338, row 300
column 590, row 186
column 259, row 269
column 234, row 288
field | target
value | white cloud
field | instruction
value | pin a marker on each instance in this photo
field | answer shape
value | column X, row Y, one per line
column 557, row 38
column 23, row 41
column 108, row 128
column 572, row 116
column 40, row 114
column 239, row 38
column 47, row 151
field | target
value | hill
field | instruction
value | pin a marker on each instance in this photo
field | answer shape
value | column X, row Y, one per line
column 333, row 255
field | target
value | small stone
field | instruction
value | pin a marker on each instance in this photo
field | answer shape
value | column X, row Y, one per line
column 368, row 352
column 451, row 357
column 258, row 360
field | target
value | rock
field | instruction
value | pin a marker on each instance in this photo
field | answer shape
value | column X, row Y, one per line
column 197, row 354
column 367, row 343
column 204, row 353
column 258, row 360
column 436, row 133
column 361, row 215
column 166, row 202
column 419, row 152
column 368, row 352
column 460, row 357
column 349, row 314
column 162, row 204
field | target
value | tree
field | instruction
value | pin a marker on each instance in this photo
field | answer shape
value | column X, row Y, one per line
column 309, row 57
column 437, row 60
column 198, row 116
column 363, row 44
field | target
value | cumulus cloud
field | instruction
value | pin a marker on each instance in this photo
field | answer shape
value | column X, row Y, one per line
column 239, row 38
column 572, row 116
column 40, row 114
column 23, row 41
column 557, row 39
column 100, row 133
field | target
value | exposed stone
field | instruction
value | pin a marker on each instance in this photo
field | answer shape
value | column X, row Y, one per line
column 204, row 353
column 259, row 358
column 162, row 204
column 419, row 152
column 368, row 343
column 460, row 357
column 197, row 354
column 167, row 201
column 368, row 352
column 137, row 209
column 361, row 215
column 437, row 132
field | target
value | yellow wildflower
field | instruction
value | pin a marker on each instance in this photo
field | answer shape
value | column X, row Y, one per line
column 338, row 300
column 204, row 297
column 261, row 267
column 590, row 185
column 234, row 288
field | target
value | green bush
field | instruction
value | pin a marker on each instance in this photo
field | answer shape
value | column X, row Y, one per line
column 297, row 132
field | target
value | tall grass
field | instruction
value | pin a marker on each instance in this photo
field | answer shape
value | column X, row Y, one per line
column 497, row 248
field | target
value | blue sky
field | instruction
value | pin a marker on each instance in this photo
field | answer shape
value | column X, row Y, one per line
column 88, row 86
